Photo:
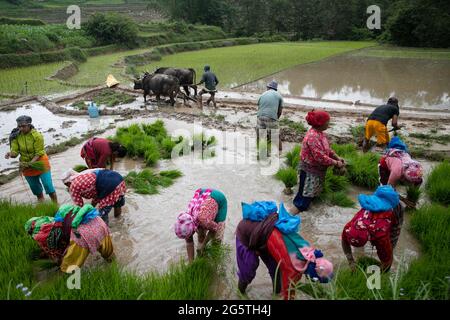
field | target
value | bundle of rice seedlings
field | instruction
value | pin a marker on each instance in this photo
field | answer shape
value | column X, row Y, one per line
column 362, row 170
column 340, row 199
column 413, row 193
column 172, row 174
column 147, row 182
column 293, row 157
column 80, row 168
column 37, row 165
column 289, row 177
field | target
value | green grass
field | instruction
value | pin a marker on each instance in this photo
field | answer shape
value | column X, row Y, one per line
column 12, row 81
column 19, row 263
column 111, row 98
column 406, row 53
column 17, row 249
column 438, row 184
column 148, row 182
column 241, row 64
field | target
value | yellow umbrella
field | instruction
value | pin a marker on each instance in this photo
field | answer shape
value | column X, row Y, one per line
column 111, row 81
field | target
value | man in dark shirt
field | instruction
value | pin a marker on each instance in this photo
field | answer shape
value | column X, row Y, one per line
column 210, row 80
column 377, row 123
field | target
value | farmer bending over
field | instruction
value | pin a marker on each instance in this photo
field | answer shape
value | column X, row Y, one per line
column 379, row 221
column 106, row 188
column 377, row 122
column 70, row 236
column 98, row 151
column 273, row 237
column 206, row 215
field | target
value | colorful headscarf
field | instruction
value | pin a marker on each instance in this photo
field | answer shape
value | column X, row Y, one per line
column 187, row 222
column 385, row 198
column 317, row 118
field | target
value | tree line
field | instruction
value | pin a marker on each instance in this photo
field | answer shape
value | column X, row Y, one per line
column 415, row 23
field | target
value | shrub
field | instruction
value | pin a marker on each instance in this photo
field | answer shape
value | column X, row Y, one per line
column 110, row 28
column 438, row 184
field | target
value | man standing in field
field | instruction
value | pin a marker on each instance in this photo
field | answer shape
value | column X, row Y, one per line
column 210, row 80
column 270, row 107
column 377, row 123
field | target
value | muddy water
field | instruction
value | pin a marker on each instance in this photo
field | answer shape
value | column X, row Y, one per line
column 143, row 236
column 55, row 128
column 417, row 83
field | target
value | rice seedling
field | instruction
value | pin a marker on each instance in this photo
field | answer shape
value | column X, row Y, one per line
column 79, row 105
column 172, row 174
column 293, row 157
column 362, row 170
column 340, row 199
column 181, row 281
column 438, row 184
column 80, row 168
column 37, row 165
column 148, row 182
column 289, row 177
column 111, row 98
column 358, row 133
column 413, row 193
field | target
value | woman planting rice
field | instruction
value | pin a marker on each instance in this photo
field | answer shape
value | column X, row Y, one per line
column 379, row 221
column 316, row 157
column 273, row 236
column 98, row 151
column 206, row 215
column 27, row 142
column 396, row 165
column 71, row 235
column 106, row 188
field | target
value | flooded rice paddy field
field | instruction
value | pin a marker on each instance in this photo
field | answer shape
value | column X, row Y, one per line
column 347, row 86
column 143, row 237
column 417, row 83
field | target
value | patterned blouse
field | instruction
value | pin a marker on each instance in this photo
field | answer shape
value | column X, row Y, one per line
column 83, row 186
column 316, row 155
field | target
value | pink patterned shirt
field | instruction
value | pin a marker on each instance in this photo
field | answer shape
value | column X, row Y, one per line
column 316, row 155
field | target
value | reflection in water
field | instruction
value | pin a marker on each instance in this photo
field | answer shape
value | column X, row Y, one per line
column 417, row 83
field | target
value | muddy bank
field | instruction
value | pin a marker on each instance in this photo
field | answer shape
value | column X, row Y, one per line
column 143, row 237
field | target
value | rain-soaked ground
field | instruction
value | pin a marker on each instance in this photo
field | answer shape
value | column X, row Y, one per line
column 416, row 82
column 143, row 237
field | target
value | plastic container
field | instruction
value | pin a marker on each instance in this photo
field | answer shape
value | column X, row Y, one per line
column 93, row 110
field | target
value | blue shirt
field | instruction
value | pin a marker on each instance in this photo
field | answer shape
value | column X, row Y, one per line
column 269, row 103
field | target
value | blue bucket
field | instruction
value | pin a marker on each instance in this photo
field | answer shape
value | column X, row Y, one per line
column 93, row 110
